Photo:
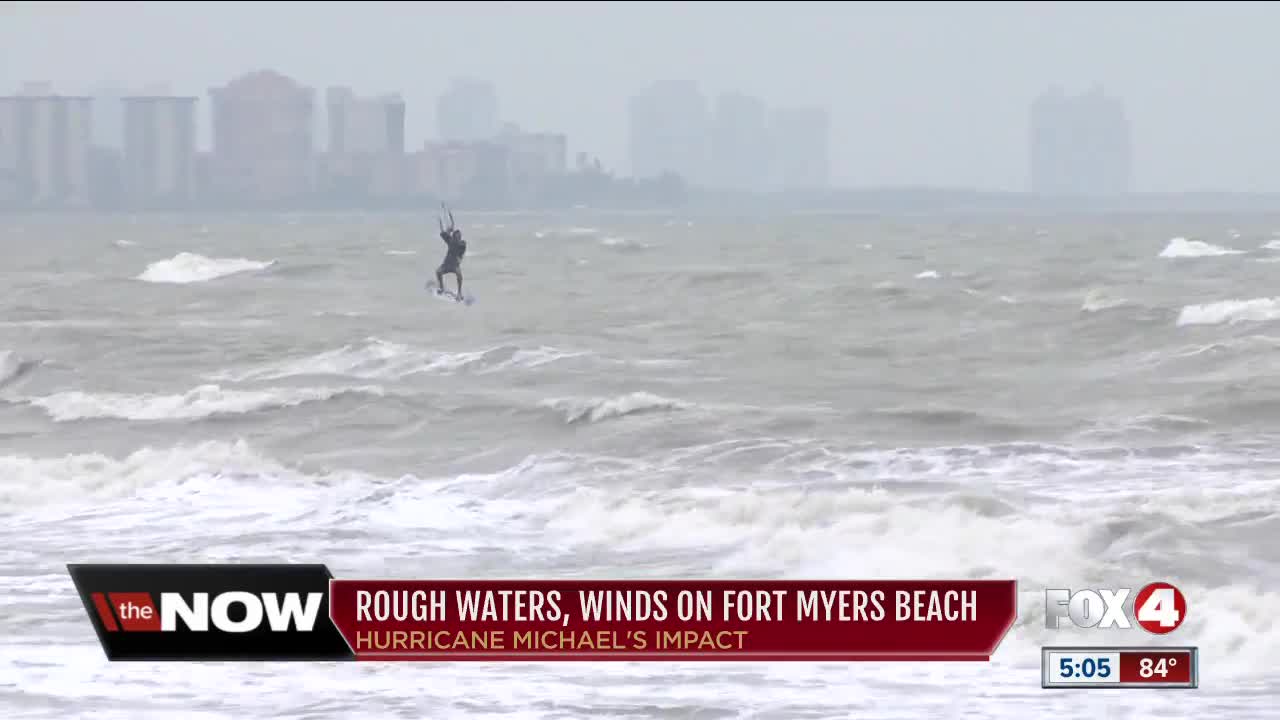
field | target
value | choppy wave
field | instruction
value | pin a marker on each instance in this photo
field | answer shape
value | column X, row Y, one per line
column 66, row 323
column 889, row 287
column 1168, row 484
column 200, row 402
column 927, row 275
column 790, row 509
column 1180, row 247
column 26, row 480
column 617, row 242
column 576, row 410
column 377, row 359
column 1231, row 312
column 188, row 267
column 1098, row 299
column 1245, row 344
column 13, row 366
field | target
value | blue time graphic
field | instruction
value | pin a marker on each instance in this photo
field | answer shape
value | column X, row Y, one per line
column 1087, row 667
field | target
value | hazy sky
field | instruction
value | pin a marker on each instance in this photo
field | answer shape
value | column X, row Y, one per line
column 920, row 93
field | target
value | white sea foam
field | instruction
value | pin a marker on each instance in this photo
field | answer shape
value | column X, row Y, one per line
column 94, row 477
column 1180, row 247
column 927, row 275
column 377, row 359
column 592, row 410
column 187, row 267
column 1230, row 312
column 548, row 512
column 199, row 402
column 375, row 500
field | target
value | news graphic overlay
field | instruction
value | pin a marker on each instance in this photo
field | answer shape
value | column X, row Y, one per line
column 210, row 612
column 1119, row 667
column 1159, row 608
column 630, row 620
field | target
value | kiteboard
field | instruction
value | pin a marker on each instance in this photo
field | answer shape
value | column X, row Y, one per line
column 449, row 295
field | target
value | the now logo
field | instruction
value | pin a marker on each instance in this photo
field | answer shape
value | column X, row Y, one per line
column 232, row 612
column 211, row 612
column 1159, row 608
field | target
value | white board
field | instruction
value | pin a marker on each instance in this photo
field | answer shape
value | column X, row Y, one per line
column 449, row 295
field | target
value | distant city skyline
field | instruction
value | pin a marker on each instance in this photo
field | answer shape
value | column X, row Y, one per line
column 727, row 140
column 919, row 94
column 277, row 140
column 278, row 143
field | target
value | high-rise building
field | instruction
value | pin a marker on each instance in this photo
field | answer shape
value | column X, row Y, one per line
column 10, row 185
column 45, row 142
column 364, row 125
column 159, row 150
column 533, row 158
column 801, row 148
column 108, row 112
column 536, row 154
column 468, row 111
column 740, row 144
column 263, row 133
column 1079, row 145
column 477, row 172
column 108, row 119
column 668, row 132
column 366, row 150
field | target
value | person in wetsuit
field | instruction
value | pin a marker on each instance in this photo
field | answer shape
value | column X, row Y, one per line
column 452, row 264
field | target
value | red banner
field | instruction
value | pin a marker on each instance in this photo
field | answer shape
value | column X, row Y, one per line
column 672, row 619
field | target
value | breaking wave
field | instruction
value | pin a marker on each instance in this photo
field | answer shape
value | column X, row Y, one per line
column 185, row 268
column 1230, row 312
column 1097, row 300
column 1183, row 248
column 13, row 367
column 199, row 402
column 576, row 410
column 377, row 359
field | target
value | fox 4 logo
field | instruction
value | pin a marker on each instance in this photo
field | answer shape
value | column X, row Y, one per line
column 1159, row 608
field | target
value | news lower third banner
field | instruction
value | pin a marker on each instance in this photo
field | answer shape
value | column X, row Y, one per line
column 300, row 612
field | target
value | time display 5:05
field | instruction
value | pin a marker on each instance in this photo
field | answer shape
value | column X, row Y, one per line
column 1099, row 667
column 1081, row 666
column 1094, row 667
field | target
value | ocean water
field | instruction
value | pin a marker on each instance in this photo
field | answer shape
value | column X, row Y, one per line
column 1070, row 402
